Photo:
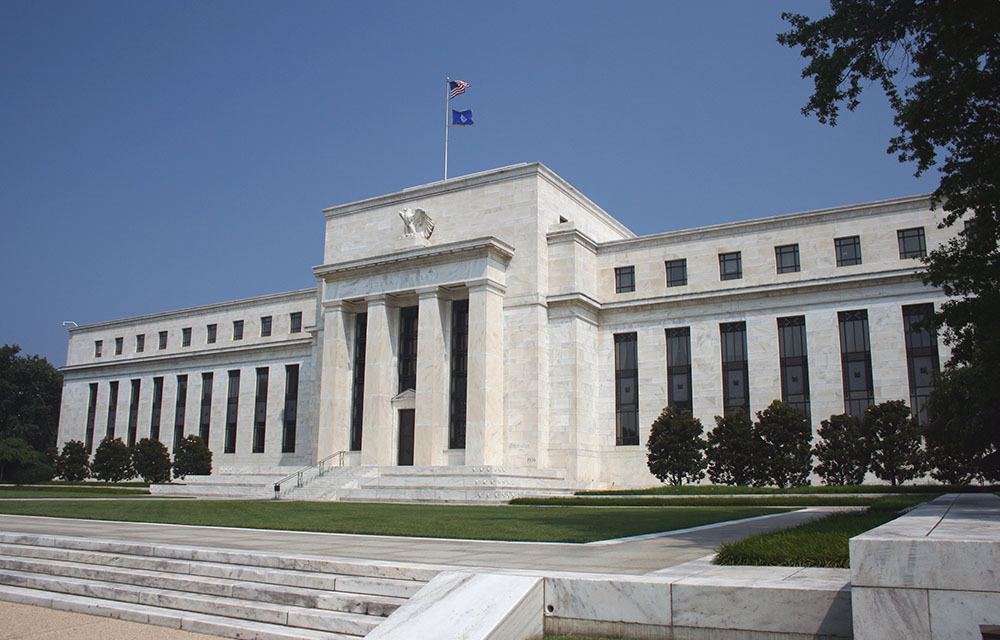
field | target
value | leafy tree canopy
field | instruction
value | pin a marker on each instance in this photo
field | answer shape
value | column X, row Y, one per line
column 844, row 451
column 30, row 391
column 895, row 441
column 73, row 463
column 112, row 461
column 151, row 460
column 785, row 436
column 192, row 457
column 676, row 447
column 734, row 451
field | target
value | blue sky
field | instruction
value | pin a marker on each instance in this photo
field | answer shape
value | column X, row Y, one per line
column 160, row 155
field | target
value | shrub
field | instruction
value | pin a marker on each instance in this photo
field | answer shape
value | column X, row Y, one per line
column 192, row 457
column 895, row 437
column 733, row 451
column 22, row 464
column 954, row 431
column 112, row 461
column 73, row 463
column 844, row 453
column 785, row 435
column 151, row 460
column 676, row 447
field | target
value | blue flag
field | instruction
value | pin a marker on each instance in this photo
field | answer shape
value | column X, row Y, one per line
column 461, row 118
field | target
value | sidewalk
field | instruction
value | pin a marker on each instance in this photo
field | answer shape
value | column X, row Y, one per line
column 21, row 621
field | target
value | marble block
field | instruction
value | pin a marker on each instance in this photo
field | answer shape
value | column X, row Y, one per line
column 644, row 600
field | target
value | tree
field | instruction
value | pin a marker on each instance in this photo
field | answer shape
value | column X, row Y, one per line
column 112, row 461
column 192, row 457
column 30, row 392
column 676, row 448
column 844, row 452
column 895, row 441
column 955, row 448
column 733, row 451
column 151, row 460
column 939, row 64
column 785, row 436
column 22, row 464
column 73, row 463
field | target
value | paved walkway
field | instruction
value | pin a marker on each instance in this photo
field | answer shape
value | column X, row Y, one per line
column 25, row 622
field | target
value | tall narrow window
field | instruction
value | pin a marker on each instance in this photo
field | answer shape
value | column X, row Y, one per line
column 112, row 408
column 848, row 250
column 911, row 243
column 856, row 362
column 260, row 411
column 157, row 409
column 679, row 369
column 358, row 383
column 179, row 408
column 786, row 258
column 624, row 279
column 133, row 413
column 291, row 408
column 730, row 266
column 205, row 420
column 98, row 348
column 735, row 370
column 91, row 417
column 407, row 348
column 211, row 333
column 232, row 409
column 295, row 322
column 119, row 346
column 794, row 364
column 626, row 389
column 265, row 326
column 237, row 329
column 677, row 272
column 921, row 357
column 459, row 373
column 140, row 343
column 186, row 337
column 163, row 340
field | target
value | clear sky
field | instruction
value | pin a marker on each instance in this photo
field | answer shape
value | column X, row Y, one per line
column 160, row 155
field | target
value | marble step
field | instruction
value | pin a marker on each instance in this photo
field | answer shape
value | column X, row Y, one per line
column 467, row 482
column 478, row 495
column 472, row 471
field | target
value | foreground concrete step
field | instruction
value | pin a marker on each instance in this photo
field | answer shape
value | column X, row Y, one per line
column 477, row 495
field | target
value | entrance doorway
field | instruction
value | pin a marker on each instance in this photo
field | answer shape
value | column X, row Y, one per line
column 405, row 437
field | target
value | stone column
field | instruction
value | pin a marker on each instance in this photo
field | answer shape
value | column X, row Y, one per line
column 431, row 419
column 380, row 386
column 334, row 427
column 484, row 441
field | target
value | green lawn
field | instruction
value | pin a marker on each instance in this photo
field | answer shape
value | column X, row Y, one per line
column 68, row 491
column 545, row 524
column 701, row 501
column 715, row 489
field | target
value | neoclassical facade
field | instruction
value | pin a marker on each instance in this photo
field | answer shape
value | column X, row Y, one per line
column 503, row 319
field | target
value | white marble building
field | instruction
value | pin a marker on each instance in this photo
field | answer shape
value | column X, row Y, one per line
column 509, row 321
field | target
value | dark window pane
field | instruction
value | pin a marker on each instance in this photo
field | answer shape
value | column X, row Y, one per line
column 848, row 250
column 856, row 362
column 677, row 272
column 679, row 368
column 265, row 326
column 921, row 356
column 730, row 266
column 459, row 374
column 295, row 322
column 794, row 363
column 626, row 389
column 735, row 369
column 624, row 279
column 407, row 348
column 787, row 258
column 358, row 384
column 911, row 243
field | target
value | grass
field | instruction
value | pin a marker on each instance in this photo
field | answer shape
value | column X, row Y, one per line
column 68, row 491
column 820, row 543
column 715, row 489
column 696, row 501
column 81, row 483
column 528, row 523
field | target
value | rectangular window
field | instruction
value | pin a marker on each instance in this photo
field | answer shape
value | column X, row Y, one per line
column 211, row 333
column 98, row 348
column 459, row 374
column 911, row 243
column 730, row 266
column 140, row 343
column 91, row 417
column 856, row 362
column 186, row 337
column 205, row 419
column 735, row 369
column 154, row 416
column 786, row 258
column 133, row 413
column 626, row 389
column 291, row 408
column 358, row 383
column 163, row 340
column 848, row 250
column 179, row 409
column 921, row 357
column 265, row 326
column 112, row 408
column 679, row 369
column 295, row 322
column 624, row 279
column 119, row 346
column 232, row 409
column 260, row 411
column 792, row 358
column 677, row 272
column 237, row 329
column 407, row 349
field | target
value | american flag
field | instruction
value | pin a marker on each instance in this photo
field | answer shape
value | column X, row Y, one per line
column 458, row 87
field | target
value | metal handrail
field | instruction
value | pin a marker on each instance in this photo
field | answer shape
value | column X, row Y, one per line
column 320, row 465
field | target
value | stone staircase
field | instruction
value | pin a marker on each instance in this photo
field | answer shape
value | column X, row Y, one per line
column 236, row 486
column 223, row 592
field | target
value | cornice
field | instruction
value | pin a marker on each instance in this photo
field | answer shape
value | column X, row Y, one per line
column 485, row 246
column 564, row 236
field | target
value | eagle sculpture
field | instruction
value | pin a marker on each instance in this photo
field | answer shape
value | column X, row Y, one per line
column 415, row 222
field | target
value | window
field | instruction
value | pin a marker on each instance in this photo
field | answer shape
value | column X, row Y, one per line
column 730, row 266
column 265, row 326
column 291, row 408
column 112, row 408
column 140, row 343
column 921, row 357
column 735, row 370
column 186, row 337
column 459, row 374
column 154, row 416
column 98, row 348
column 179, row 408
column 163, row 340
column 677, row 272
column 911, row 243
column 119, row 346
column 232, row 409
column 358, row 384
column 794, row 364
column 786, row 258
column 407, row 349
column 624, row 279
column 133, row 413
column 237, row 329
column 679, row 369
column 260, row 411
column 211, row 333
column 205, row 420
column 295, row 322
column 856, row 362
column 91, row 417
column 626, row 389
column 848, row 250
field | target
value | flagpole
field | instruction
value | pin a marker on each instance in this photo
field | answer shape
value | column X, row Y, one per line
column 447, row 106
